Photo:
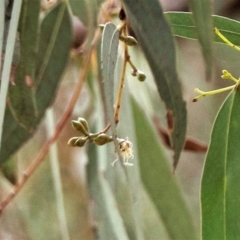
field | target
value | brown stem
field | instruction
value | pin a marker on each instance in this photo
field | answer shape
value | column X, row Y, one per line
column 106, row 128
column 131, row 64
column 40, row 157
column 122, row 78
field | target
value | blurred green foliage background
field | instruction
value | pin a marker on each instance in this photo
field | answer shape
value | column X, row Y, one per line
column 76, row 193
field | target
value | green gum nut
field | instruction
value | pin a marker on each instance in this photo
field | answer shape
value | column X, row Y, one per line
column 131, row 41
column 84, row 123
column 81, row 141
column 71, row 141
column 102, row 139
column 79, row 127
column 141, row 76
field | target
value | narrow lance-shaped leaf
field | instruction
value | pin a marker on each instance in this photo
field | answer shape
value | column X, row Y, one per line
column 109, row 48
column 182, row 25
column 109, row 52
column 203, row 21
column 159, row 181
column 110, row 224
column 133, row 181
column 220, row 190
column 156, row 40
column 52, row 56
column 6, row 68
column 21, row 94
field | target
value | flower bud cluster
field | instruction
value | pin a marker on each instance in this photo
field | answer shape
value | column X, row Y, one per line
column 124, row 146
column 81, row 125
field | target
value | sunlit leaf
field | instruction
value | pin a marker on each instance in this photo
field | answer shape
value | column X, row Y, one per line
column 182, row 25
column 220, row 183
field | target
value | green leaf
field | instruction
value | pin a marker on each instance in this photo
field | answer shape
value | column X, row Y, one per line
column 109, row 221
column 220, row 182
column 9, row 170
column 13, row 136
column 2, row 13
column 53, row 54
column 109, row 48
column 21, row 95
column 127, row 178
column 54, row 45
column 9, row 53
column 153, row 226
column 203, row 21
column 182, row 25
column 159, row 182
column 110, row 224
column 156, row 40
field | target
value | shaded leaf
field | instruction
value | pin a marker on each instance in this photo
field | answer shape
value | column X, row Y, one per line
column 110, row 224
column 126, row 129
column 9, row 170
column 109, row 221
column 182, row 25
column 220, row 183
column 156, row 40
column 159, row 182
column 21, row 95
column 13, row 136
column 52, row 56
column 6, row 69
column 153, row 226
column 203, row 21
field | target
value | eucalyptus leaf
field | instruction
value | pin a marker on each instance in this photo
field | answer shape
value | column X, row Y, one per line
column 129, row 199
column 109, row 48
column 54, row 45
column 53, row 54
column 2, row 14
column 159, row 182
column 220, row 189
column 22, row 99
column 110, row 223
column 6, row 70
column 155, row 38
column 203, row 21
column 13, row 136
column 182, row 25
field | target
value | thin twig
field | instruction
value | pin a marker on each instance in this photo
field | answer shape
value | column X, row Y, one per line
column 40, row 157
column 122, row 78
